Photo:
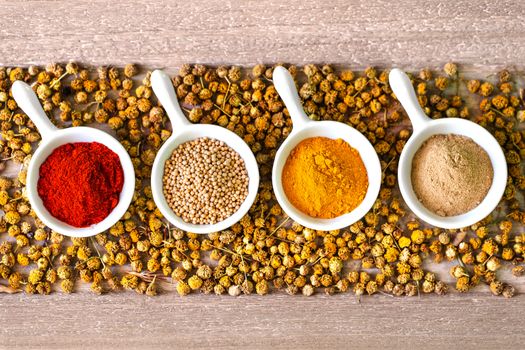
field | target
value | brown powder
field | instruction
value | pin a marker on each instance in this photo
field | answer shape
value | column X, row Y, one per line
column 451, row 174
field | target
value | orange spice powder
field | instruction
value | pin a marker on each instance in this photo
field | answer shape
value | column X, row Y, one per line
column 324, row 178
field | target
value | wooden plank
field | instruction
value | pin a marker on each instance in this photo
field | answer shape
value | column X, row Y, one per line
column 408, row 33
column 277, row 321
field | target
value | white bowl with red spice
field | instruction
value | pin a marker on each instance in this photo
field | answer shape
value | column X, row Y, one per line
column 304, row 128
column 185, row 133
column 424, row 130
column 53, row 139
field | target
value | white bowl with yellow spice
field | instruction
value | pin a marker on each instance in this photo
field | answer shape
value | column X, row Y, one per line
column 205, row 177
column 326, row 174
column 452, row 172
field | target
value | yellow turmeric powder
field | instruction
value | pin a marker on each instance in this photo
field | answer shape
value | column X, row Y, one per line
column 324, row 178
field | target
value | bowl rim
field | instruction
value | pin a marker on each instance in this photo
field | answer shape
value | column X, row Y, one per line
column 211, row 131
column 49, row 144
column 486, row 206
column 370, row 160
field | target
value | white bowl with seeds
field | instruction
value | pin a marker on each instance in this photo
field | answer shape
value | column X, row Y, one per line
column 205, row 177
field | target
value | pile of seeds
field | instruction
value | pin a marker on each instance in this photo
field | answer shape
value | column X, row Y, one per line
column 388, row 251
column 205, row 181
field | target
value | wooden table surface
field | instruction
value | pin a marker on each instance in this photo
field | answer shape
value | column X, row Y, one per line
column 482, row 35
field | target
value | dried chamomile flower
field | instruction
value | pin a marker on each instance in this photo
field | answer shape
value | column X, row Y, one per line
column 130, row 70
column 518, row 271
column 234, row 290
column 508, row 291
column 450, row 69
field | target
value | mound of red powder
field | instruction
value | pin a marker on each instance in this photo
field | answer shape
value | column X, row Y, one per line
column 80, row 183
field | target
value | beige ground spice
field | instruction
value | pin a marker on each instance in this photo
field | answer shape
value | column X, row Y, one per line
column 451, row 174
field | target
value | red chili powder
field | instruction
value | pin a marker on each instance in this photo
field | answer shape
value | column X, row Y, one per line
column 80, row 183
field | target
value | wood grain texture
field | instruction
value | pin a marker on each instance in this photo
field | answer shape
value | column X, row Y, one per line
column 252, row 322
column 406, row 33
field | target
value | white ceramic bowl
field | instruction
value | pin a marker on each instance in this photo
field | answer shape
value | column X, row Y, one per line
column 51, row 139
column 303, row 128
column 424, row 128
column 184, row 131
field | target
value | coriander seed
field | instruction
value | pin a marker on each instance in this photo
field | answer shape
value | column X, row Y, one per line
column 205, row 181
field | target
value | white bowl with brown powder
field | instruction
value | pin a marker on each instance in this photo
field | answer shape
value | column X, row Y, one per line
column 451, row 174
column 453, row 146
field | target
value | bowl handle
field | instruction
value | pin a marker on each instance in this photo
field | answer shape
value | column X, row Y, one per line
column 27, row 100
column 285, row 86
column 404, row 91
column 163, row 89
